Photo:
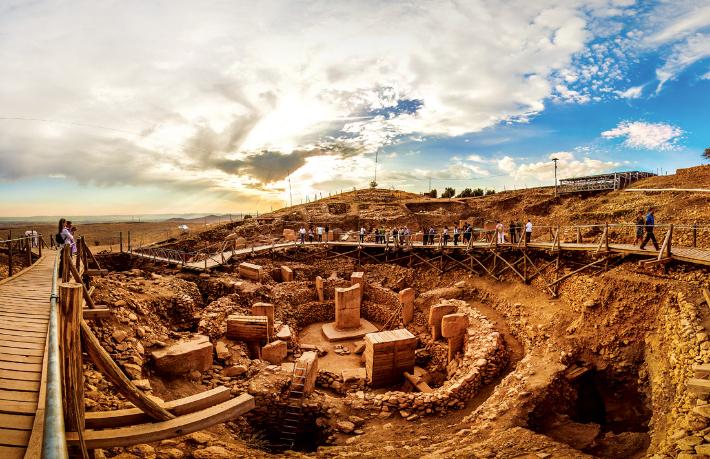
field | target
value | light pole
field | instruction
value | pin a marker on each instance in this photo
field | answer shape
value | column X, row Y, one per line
column 554, row 160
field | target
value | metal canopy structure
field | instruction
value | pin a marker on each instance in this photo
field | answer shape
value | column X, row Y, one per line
column 611, row 181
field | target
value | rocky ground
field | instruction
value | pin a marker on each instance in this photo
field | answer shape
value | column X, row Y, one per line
column 599, row 371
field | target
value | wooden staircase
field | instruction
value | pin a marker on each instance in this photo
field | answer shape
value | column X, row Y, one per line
column 293, row 411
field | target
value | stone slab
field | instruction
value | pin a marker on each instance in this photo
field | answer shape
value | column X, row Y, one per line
column 333, row 334
column 436, row 313
column 320, row 289
column 265, row 309
column 251, row 271
column 454, row 325
column 274, row 352
column 347, row 307
column 406, row 299
column 184, row 356
column 309, row 360
column 286, row 274
column 358, row 277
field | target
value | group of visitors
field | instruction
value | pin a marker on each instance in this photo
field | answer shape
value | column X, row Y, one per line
column 313, row 235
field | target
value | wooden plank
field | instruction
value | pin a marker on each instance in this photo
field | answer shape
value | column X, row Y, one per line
column 702, row 371
column 16, row 421
column 182, row 425
column 11, row 437
column 14, row 407
column 18, row 396
column 32, row 376
column 25, row 367
column 12, row 452
column 179, row 407
column 20, row 358
column 13, row 384
column 21, row 345
column 22, row 338
column 33, row 328
column 26, row 352
column 33, row 334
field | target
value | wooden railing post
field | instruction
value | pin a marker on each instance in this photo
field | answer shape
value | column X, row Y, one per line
column 670, row 239
column 120, row 240
column 28, row 246
column 129, row 241
column 9, row 254
column 70, row 348
column 579, row 236
column 695, row 234
column 606, row 235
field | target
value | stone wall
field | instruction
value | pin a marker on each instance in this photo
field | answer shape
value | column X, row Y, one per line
column 485, row 356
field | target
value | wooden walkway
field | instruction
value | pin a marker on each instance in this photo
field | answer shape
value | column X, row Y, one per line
column 24, row 318
column 685, row 254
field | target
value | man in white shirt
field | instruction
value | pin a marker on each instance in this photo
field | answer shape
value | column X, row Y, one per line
column 302, row 234
column 528, row 231
column 362, row 235
column 319, row 233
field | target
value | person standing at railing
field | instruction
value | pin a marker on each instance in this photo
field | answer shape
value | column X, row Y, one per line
column 518, row 231
column 327, row 230
column 302, row 235
column 432, row 235
column 650, row 223
column 528, row 231
column 319, row 233
column 310, row 235
column 456, row 234
column 467, row 230
column 640, row 221
column 500, row 234
column 445, row 235
column 362, row 234
column 64, row 235
column 511, row 229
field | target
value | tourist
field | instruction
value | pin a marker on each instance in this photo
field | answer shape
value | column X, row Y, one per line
column 650, row 223
column 319, row 233
column 445, row 235
column 327, row 230
column 528, row 231
column 302, row 234
column 362, row 234
column 467, row 230
column 511, row 229
column 406, row 235
column 395, row 235
column 500, row 233
column 310, row 235
column 456, row 235
column 518, row 230
column 640, row 221
column 432, row 235
column 72, row 229
column 64, row 236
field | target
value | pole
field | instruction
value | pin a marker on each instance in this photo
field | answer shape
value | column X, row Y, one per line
column 120, row 240
column 9, row 254
column 555, row 161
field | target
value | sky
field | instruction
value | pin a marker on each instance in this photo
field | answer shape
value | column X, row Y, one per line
column 135, row 107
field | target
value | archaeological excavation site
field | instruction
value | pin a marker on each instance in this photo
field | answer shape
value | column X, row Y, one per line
column 366, row 338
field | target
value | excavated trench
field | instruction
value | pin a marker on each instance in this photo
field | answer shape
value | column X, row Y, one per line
column 598, row 412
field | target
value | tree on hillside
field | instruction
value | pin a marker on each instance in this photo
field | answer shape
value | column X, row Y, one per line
column 373, row 184
column 466, row 193
column 448, row 192
column 433, row 193
column 490, row 192
column 478, row 192
column 706, row 154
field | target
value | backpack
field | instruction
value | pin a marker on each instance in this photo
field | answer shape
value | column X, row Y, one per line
column 59, row 239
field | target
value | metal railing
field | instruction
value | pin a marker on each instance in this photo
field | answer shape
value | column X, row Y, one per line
column 54, row 443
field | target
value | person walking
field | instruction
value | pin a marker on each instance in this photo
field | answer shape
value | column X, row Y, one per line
column 445, row 235
column 319, row 233
column 511, row 229
column 362, row 234
column 456, row 235
column 650, row 223
column 528, row 231
column 302, row 234
column 310, row 235
column 640, row 221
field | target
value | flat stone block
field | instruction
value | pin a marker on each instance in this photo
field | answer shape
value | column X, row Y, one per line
column 454, row 325
column 251, row 271
column 347, row 306
column 286, row 274
column 274, row 352
column 185, row 356
column 320, row 289
column 334, row 334
column 354, row 374
column 358, row 278
column 406, row 299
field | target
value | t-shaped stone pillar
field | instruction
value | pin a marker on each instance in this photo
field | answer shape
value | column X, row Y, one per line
column 265, row 309
column 358, row 278
column 406, row 300
column 347, row 307
column 453, row 328
column 436, row 313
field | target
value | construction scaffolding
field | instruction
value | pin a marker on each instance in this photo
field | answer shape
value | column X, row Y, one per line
column 611, row 181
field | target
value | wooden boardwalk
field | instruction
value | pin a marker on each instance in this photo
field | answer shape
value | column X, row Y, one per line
column 686, row 254
column 24, row 318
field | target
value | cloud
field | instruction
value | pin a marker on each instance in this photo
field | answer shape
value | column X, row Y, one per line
column 542, row 171
column 642, row 135
column 633, row 92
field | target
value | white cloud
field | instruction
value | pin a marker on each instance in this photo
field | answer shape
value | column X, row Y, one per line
column 684, row 54
column 543, row 171
column 633, row 92
column 650, row 136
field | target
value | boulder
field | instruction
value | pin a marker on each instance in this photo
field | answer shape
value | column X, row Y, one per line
column 185, row 356
column 223, row 352
column 274, row 352
column 234, row 370
column 284, row 333
column 286, row 274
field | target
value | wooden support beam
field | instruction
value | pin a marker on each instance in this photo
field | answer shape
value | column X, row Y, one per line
column 509, row 266
column 182, row 425
column 108, row 367
column 706, row 294
column 537, row 271
column 77, row 278
column 96, row 272
column 101, row 312
column 418, row 383
column 179, row 407
column 588, row 265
